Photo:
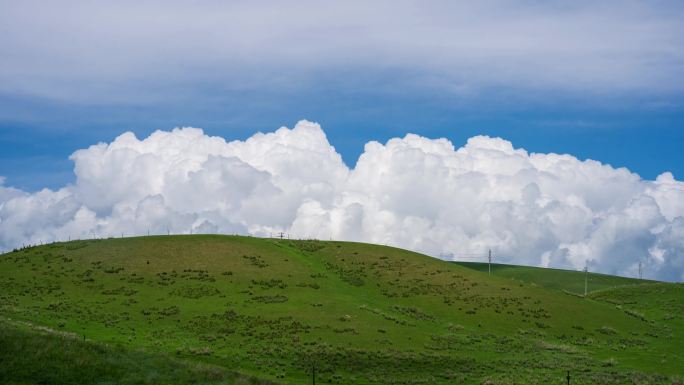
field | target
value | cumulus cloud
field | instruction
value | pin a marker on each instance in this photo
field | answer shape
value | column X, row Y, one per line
column 413, row 192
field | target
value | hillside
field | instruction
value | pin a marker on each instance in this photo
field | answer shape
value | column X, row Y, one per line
column 568, row 280
column 67, row 359
column 358, row 313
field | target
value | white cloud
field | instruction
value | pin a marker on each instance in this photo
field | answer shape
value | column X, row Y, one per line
column 413, row 192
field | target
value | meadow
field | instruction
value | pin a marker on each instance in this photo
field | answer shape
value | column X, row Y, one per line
column 230, row 309
column 569, row 281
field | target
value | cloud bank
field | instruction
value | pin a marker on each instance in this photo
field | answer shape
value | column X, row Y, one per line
column 412, row 192
column 99, row 52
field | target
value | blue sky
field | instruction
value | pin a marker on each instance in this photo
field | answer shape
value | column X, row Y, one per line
column 600, row 81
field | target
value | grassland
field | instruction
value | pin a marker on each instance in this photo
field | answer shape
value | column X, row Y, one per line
column 358, row 313
column 33, row 354
column 565, row 280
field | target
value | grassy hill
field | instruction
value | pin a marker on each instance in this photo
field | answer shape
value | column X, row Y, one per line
column 568, row 280
column 33, row 354
column 358, row 313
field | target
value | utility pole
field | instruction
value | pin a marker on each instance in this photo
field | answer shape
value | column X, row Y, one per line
column 490, row 262
column 281, row 235
column 586, row 278
column 639, row 269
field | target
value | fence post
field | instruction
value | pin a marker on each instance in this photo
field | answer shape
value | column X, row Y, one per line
column 313, row 374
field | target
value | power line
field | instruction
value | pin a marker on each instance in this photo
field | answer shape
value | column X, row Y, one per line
column 474, row 258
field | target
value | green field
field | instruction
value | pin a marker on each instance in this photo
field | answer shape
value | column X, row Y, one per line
column 222, row 309
column 32, row 354
column 565, row 280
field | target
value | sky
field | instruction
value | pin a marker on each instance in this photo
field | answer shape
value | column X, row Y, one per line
column 600, row 81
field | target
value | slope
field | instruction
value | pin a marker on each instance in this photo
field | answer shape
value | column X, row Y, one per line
column 358, row 313
column 37, row 355
column 568, row 280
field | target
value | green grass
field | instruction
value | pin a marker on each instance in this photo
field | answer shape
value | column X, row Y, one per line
column 568, row 280
column 362, row 314
column 34, row 355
